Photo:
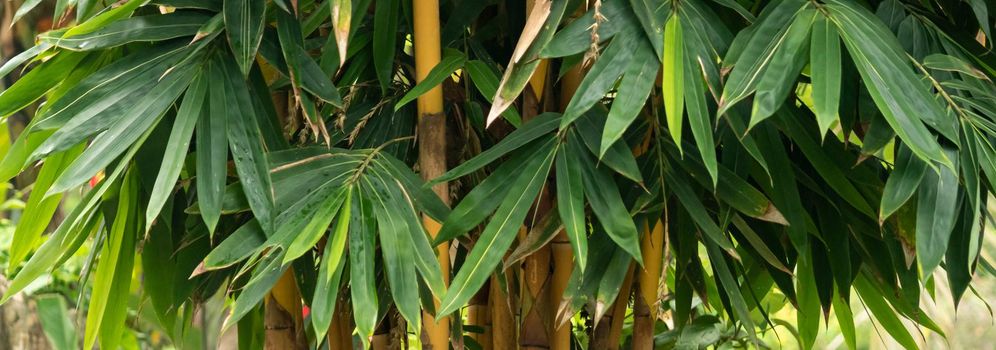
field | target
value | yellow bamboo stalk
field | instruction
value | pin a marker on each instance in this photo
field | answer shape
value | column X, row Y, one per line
column 652, row 246
column 502, row 322
column 648, row 281
column 563, row 265
column 609, row 329
column 479, row 315
column 432, row 145
column 283, row 319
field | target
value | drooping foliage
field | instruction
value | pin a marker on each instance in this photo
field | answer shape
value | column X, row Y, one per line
column 817, row 150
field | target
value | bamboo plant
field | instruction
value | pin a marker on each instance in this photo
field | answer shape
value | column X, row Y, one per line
column 503, row 174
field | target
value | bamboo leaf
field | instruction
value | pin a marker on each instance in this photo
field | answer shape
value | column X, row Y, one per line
column 451, row 61
column 330, row 271
column 245, row 143
column 38, row 82
column 342, row 12
column 541, row 125
column 363, row 280
column 520, row 70
column 136, row 29
column 40, row 209
column 825, row 70
column 385, row 32
column 113, row 276
column 600, row 78
column 769, row 34
column 605, row 201
column 244, row 22
column 212, row 149
column 937, row 208
column 634, row 88
column 140, row 119
column 902, row 183
column 191, row 110
column 698, row 116
column 673, row 83
column 783, row 68
column 570, row 205
column 500, row 231
column 396, row 251
column 901, row 97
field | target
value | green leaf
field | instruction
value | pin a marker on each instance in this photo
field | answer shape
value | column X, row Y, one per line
column 699, row 118
column 901, row 96
column 362, row 276
column 619, row 157
column 540, row 125
column 902, row 183
column 244, row 22
column 500, row 231
column 758, row 244
column 9, row 65
column 135, row 29
column 631, row 97
column 425, row 199
column 39, row 211
column 673, row 85
column 330, row 271
column 38, row 82
column 69, row 236
column 396, row 251
column 306, row 236
column 606, row 203
column 304, row 71
column 576, row 36
column 952, row 64
column 570, row 205
column 236, row 247
column 212, row 148
column 56, row 321
column 730, row 285
column 825, row 72
column 698, row 212
column 191, row 110
column 611, row 282
column 112, row 280
column 95, row 104
column 769, row 34
column 936, row 211
column 262, row 279
column 451, row 61
column 401, row 203
column 385, row 33
column 845, row 319
column 25, row 7
column 139, row 119
column 485, row 79
column 646, row 12
column 831, row 172
column 782, row 70
column 600, row 78
column 884, row 314
column 525, row 59
column 104, row 18
column 480, row 202
column 245, row 143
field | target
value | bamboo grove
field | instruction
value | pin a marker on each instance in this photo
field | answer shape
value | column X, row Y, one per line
column 507, row 174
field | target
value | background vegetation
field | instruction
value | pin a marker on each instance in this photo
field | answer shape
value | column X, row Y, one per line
column 542, row 174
